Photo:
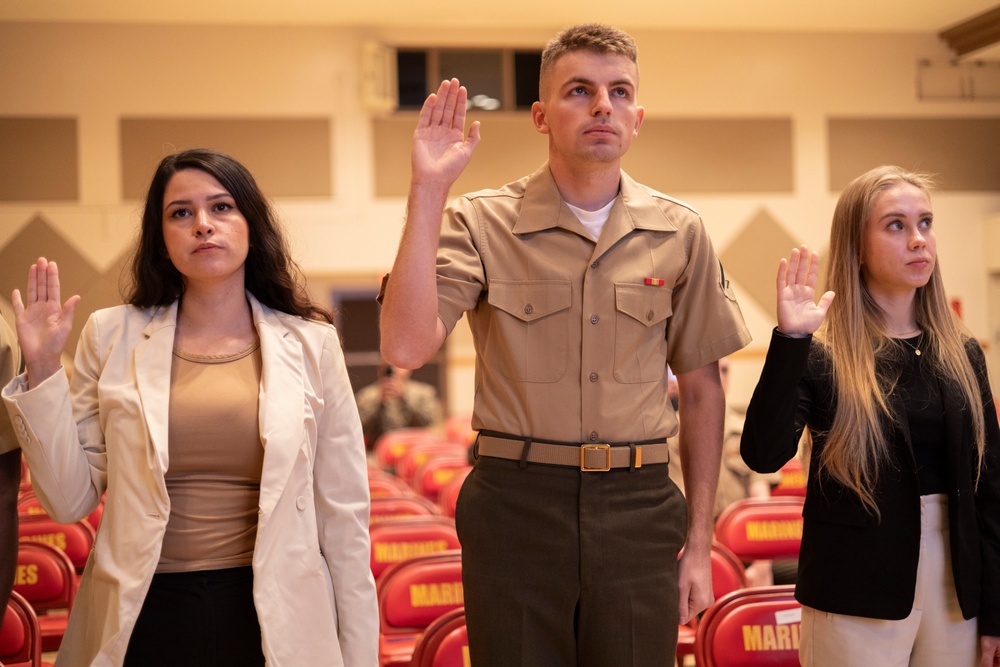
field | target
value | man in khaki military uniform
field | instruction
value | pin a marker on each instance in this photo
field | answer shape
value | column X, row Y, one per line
column 580, row 285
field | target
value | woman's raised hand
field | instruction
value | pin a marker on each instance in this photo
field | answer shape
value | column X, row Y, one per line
column 43, row 323
column 799, row 314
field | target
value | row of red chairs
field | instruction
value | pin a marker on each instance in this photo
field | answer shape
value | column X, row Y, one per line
column 423, row 623
column 416, row 556
column 749, row 530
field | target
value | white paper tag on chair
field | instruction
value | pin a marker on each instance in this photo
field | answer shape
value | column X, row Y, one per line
column 788, row 616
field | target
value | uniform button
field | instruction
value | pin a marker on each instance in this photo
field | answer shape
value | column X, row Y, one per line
column 528, row 309
column 593, row 377
column 593, row 436
column 649, row 316
column 594, row 265
column 594, row 319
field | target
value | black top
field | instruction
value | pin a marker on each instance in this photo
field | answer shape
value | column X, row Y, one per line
column 921, row 396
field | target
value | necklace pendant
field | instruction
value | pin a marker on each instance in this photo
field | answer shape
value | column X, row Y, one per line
column 917, row 351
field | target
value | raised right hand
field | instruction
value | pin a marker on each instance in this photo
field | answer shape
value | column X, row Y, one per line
column 799, row 315
column 440, row 148
column 43, row 323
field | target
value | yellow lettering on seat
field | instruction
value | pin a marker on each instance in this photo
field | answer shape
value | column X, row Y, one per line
column 26, row 575
column 395, row 552
column 751, row 638
column 436, row 595
column 57, row 540
column 783, row 637
column 773, row 531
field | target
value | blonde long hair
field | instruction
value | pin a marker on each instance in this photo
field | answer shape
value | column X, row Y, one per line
column 855, row 336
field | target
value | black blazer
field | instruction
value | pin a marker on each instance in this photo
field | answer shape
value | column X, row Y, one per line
column 852, row 562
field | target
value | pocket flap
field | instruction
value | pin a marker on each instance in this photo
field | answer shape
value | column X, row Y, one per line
column 530, row 300
column 646, row 304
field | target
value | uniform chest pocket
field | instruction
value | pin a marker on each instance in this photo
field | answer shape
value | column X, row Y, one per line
column 641, row 318
column 529, row 328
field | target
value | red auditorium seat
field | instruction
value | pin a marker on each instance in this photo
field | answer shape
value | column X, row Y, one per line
column 76, row 539
column 391, row 445
column 28, row 505
column 20, row 640
column 448, row 496
column 46, row 578
column 793, row 479
column 458, row 428
column 397, row 539
column 412, row 595
column 409, row 504
column 751, row 627
column 420, row 454
column 434, row 475
column 381, row 484
column 762, row 528
column 444, row 643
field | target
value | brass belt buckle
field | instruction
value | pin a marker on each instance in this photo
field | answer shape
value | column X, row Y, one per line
column 583, row 458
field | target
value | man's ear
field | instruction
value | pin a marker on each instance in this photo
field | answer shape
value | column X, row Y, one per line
column 640, row 113
column 538, row 117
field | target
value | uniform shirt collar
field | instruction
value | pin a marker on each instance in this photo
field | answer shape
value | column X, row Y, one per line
column 543, row 208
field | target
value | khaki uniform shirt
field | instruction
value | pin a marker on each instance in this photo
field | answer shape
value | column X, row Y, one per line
column 573, row 336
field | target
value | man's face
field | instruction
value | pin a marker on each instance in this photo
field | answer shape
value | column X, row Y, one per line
column 588, row 107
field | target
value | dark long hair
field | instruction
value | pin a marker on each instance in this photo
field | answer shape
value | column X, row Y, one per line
column 270, row 275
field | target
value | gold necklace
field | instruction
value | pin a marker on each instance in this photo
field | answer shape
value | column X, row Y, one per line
column 914, row 347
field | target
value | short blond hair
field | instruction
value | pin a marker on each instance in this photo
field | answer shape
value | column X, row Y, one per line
column 595, row 37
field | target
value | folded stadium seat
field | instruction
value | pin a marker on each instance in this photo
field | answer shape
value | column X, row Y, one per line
column 762, row 528
column 413, row 594
column 408, row 504
column 430, row 478
column 28, row 505
column 420, row 453
column 458, row 428
column 448, row 496
column 401, row 538
column 20, row 639
column 76, row 539
column 793, row 479
column 385, row 484
column 444, row 643
column 391, row 445
column 46, row 578
column 751, row 627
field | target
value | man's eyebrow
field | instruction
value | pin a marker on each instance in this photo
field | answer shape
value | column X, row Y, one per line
column 591, row 82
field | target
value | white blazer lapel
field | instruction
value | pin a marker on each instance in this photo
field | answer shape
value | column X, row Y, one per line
column 153, row 357
column 282, row 403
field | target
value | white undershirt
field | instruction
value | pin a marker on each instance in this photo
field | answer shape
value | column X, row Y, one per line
column 593, row 220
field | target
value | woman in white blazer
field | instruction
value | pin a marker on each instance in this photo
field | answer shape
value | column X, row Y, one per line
column 177, row 575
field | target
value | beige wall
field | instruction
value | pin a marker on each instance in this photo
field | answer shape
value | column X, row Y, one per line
column 100, row 74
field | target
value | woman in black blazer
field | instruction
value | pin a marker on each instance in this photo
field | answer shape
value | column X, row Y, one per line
column 900, row 558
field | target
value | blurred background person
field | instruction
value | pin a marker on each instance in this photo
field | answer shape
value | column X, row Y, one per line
column 395, row 401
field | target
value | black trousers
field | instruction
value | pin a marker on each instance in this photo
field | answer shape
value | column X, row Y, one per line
column 198, row 619
column 570, row 569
